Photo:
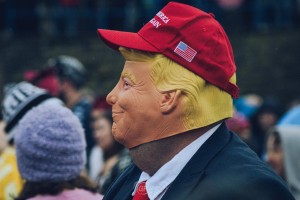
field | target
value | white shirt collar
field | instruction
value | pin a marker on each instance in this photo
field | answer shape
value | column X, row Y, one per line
column 157, row 185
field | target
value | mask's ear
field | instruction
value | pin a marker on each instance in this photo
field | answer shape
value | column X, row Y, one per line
column 169, row 101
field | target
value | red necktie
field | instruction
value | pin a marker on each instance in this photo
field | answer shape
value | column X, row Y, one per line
column 141, row 192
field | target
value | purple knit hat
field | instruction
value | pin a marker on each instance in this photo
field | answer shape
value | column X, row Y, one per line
column 50, row 144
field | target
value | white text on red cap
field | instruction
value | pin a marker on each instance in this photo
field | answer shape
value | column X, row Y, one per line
column 162, row 16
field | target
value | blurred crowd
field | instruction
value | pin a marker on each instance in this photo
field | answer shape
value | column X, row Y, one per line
column 271, row 129
column 74, row 17
column 61, row 83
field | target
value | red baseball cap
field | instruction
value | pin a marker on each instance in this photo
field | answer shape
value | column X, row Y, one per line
column 188, row 36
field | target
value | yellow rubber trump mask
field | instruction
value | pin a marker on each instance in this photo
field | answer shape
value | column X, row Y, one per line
column 157, row 98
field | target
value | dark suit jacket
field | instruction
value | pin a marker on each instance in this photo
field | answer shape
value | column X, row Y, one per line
column 223, row 168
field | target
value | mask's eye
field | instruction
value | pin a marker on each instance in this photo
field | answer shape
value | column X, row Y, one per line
column 126, row 83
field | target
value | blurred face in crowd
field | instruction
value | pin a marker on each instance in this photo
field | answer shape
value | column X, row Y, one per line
column 134, row 103
column 102, row 133
column 267, row 120
column 62, row 88
column 275, row 155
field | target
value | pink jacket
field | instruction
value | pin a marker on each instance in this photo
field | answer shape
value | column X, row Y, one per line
column 77, row 194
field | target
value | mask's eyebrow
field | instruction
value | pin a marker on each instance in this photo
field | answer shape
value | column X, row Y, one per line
column 128, row 75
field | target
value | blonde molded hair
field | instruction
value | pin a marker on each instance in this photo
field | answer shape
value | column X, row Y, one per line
column 204, row 103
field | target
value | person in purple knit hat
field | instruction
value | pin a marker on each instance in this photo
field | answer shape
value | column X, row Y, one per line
column 50, row 150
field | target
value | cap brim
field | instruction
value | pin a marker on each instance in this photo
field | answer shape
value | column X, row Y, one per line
column 116, row 39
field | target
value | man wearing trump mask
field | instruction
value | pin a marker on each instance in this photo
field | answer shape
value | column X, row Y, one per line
column 169, row 107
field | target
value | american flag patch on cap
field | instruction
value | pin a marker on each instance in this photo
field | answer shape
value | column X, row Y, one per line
column 185, row 51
